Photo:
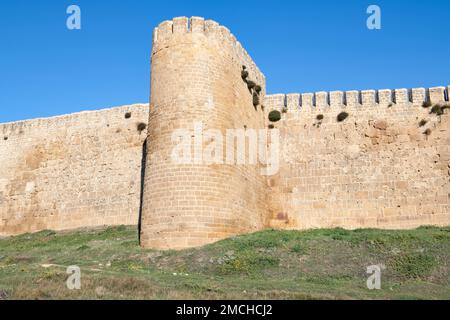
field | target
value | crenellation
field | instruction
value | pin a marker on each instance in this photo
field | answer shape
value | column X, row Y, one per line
column 197, row 25
column 337, row 99
column 385, row 97
column 401, row 96
column 352, row 98
column 275, row 102
column 368, row 97
column 211, row 27
column 154, row 37
column 321, row 99
column 225, row 34
column 307, row 100
column 165, row 30
column 293, row 101
column 419, row 96
column 180, row 25
column 437, row 94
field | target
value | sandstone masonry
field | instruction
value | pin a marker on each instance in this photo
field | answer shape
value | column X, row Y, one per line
column 387, row 165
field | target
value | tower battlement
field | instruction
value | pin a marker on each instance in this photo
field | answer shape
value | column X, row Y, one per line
column 354, row 98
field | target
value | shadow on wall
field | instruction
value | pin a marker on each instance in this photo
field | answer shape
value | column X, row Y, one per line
column 141, row 199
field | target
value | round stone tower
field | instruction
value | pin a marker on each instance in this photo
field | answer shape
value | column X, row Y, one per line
column 197, row 89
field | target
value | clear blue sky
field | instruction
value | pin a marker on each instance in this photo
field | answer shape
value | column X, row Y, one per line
column 301, row 46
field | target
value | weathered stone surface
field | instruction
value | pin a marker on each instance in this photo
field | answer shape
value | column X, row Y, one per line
column 376, row 169
column 72, row 171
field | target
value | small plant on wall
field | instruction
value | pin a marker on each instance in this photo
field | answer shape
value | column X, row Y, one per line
column 342, row 116
column 141, row 127
column 244, row 73
column 426, row 104
column 439, row 109
column 254, row 88
column 422, row 122
column 274, row 116
column 255, row 99
column 251, row 85
column 319, row 120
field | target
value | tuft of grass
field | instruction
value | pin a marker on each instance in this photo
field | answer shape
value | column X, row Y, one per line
column 248, row 263
column 413, row 265
column 342, row 116
column 298, row 248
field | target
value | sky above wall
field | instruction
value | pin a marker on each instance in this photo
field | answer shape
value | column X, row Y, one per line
column 301, row 46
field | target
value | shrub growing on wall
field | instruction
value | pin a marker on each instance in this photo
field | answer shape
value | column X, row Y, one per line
column 141, row 127
column 342, row 116
column 422, row 122
column 274, row 116
column 426, row 104
column 251, row 84
column 255, row 99
column 244, row 75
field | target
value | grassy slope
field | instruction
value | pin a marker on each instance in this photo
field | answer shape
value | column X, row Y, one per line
column 318, row 264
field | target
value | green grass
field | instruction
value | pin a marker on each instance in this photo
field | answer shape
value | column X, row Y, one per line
column 316, row 264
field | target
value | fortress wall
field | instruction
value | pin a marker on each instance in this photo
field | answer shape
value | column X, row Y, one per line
column 386, row 166
column 196, row 78
column 377, row 169
column 77, row 170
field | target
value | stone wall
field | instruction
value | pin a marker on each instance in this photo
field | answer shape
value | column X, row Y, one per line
column 196, row 79
column 78, row 170
column 382, row 167
column 387, row 165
